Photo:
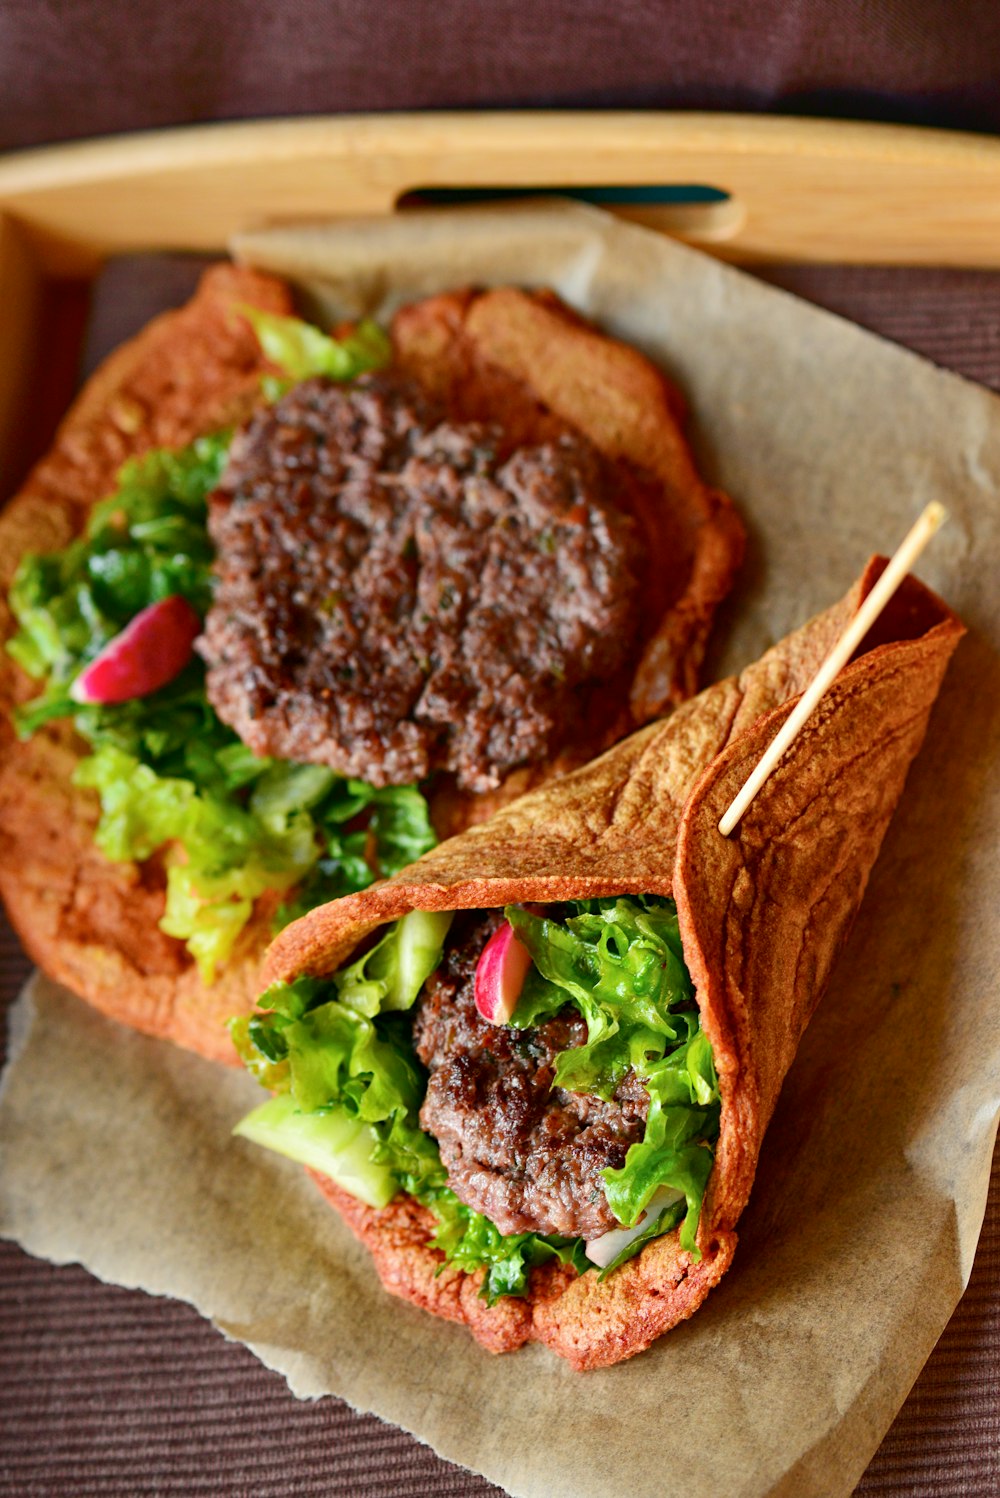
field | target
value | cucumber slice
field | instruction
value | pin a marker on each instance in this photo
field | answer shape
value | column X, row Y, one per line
column 334, row 1143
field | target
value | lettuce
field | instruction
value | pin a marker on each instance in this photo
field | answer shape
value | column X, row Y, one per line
column 144, row 542
column 683, row 1119
column 225, row 851
column 335, row 1143
column 344, row 1047
column 343, row 1043
column 620, row 962
column 470, row 1241
column 169, row 774
column 397, row 830
column 302, row 350
column 230, row 856
column 388, row 977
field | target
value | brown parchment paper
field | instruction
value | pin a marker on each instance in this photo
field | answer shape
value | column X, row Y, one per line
column 863, row 1223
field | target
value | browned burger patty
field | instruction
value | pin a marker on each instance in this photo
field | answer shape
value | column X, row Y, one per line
column 526, row 1155
column 394, row 599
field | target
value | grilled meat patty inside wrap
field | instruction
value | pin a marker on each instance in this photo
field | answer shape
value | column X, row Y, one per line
column 526, row 1153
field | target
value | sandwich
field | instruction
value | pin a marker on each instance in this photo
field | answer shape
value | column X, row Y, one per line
column 300, row 604
column 533, row 1071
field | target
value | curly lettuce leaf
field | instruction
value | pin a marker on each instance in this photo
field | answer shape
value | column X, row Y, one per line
column 620, row 962
column 682, row 1121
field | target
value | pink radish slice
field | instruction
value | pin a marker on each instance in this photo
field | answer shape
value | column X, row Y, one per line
column 500, row 974
column 150, row 651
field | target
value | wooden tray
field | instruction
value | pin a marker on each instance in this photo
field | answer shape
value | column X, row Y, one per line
column 794, row 190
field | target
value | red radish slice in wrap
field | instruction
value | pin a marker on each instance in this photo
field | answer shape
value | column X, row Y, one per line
column 500, row 975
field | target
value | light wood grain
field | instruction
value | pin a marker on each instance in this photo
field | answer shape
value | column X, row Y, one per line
column 801, row 189
column 812, row 190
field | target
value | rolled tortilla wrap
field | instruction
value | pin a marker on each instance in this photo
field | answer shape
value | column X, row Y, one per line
column 762, row 915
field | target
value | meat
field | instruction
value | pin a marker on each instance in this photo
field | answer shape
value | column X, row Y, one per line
column 393, row 599
column 526, row 1155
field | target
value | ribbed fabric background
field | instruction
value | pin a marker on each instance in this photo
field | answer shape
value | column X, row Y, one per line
column 88, row 67
column 107, row 1392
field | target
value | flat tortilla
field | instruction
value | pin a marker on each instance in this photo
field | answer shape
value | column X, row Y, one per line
column 762, row 915
column 521, row 359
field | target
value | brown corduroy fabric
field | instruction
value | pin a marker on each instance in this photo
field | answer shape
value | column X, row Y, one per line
column 72, row 68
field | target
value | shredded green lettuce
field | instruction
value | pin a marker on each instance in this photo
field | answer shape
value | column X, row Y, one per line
column 170, row 775
column 144, row 542
column 346, row 1043
column 231, row 856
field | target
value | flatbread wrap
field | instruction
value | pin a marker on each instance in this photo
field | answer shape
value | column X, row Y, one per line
column 760, row 918
column 144, row 859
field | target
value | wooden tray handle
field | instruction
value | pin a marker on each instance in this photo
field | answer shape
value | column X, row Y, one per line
column 797, row 189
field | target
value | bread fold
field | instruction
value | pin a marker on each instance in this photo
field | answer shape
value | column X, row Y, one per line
column 762, row 915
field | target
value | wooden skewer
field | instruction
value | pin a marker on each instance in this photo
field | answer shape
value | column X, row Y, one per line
column 913, row 544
